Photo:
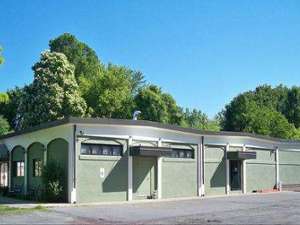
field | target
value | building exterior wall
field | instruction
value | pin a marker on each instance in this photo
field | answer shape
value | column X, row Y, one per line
column 112, row 186
column 289, row 167
column 98, row 178
column 261, row 172
column 214, row 170
column 179, row 178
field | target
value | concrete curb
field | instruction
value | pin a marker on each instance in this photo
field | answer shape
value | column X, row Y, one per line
column 61, row 205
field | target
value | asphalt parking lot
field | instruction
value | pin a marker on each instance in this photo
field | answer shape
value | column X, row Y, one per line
column 275, row 208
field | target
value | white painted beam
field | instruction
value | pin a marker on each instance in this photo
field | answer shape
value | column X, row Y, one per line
column 130, row 171
column 159, row 172
column 244, row 173
column 277, row 169
column 227, row 189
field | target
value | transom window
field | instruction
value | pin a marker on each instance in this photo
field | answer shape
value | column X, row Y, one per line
column 37, row 167
column 101, row 149
column 19, row 168
column 182, row 153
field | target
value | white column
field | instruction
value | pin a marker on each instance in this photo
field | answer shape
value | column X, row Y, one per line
column 203, row 169
column 199, row 175
column 129, row 188
column 72, row 171
column 244, row 172
column 159, row 173
column 227, row 189
column 277, row 168
column 25, row 171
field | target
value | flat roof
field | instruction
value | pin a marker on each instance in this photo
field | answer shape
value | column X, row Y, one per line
column 106, row 121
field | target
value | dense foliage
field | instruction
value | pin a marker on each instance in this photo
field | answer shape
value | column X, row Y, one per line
column 70, row 80
column 53, row 178
column 54, row 93
column 266, row 110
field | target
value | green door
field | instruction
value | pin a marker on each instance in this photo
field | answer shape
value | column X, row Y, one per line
column 144, row 179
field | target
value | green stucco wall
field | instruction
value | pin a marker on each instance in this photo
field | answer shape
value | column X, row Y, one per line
column 143, row 177
column 214, row 171
column 93, row 188
column 179, row 177
column 289, row 167
column 261, row 172
column 57, row 150
column 35, row 151
column 18, row 154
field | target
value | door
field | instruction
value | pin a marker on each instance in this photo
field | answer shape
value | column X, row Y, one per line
column 144, row 179
column 235, row 175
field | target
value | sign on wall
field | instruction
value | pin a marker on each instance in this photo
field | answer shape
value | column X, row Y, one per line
column 102, row 172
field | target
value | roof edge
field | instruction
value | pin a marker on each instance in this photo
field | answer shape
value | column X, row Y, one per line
column 108, row 121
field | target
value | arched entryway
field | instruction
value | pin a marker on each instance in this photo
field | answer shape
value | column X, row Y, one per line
column 35, row 163
column 18, row 169
column 57, row 151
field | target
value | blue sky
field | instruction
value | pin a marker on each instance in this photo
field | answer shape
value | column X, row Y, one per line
column 202, row 52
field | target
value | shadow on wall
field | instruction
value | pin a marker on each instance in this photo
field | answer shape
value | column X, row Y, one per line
column 219, row 177
column 116, row 180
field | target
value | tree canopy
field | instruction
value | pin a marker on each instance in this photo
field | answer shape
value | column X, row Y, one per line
column 71, row 80
column 266, row 110
column 54, row 93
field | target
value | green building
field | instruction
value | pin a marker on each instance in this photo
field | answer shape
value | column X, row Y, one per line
column 108, row 160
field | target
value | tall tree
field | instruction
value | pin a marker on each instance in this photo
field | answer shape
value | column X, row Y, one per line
column 9, row 107
column 4, row 126
column 83, row 57
column 54, row 93
column 292, row 109
column 260, row 111
column 195, row 119
column 157, row 106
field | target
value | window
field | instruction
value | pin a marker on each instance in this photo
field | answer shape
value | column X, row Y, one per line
column 101, row 149
column 37, row 167
column 19, row 168
column 182, row 153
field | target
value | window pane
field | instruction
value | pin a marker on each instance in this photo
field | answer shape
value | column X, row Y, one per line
column 98, row 149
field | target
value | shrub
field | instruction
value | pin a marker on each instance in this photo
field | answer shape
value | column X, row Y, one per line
column 53, row 177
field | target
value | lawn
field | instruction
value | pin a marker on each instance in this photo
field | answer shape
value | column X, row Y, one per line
column 5, row 210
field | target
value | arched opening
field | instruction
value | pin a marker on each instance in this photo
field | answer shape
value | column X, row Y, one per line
column 18, row 169
column 35, row 162
column 57, row 151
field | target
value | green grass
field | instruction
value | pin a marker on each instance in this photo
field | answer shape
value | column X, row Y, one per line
column 5, row 210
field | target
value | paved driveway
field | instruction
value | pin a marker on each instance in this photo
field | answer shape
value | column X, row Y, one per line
column 278, row 208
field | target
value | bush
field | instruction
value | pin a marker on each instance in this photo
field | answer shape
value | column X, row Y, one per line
column 4, row 191
column 53, row 178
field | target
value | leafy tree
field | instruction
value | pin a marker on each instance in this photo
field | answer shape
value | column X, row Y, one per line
column 9, row 105
column 292, row 109
column 157, row 106
column 4, row 125
column 78, row 53
column 112, row 94
column 100, row 86
column 54, row 93
column 194, row 119
column 256, row 112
